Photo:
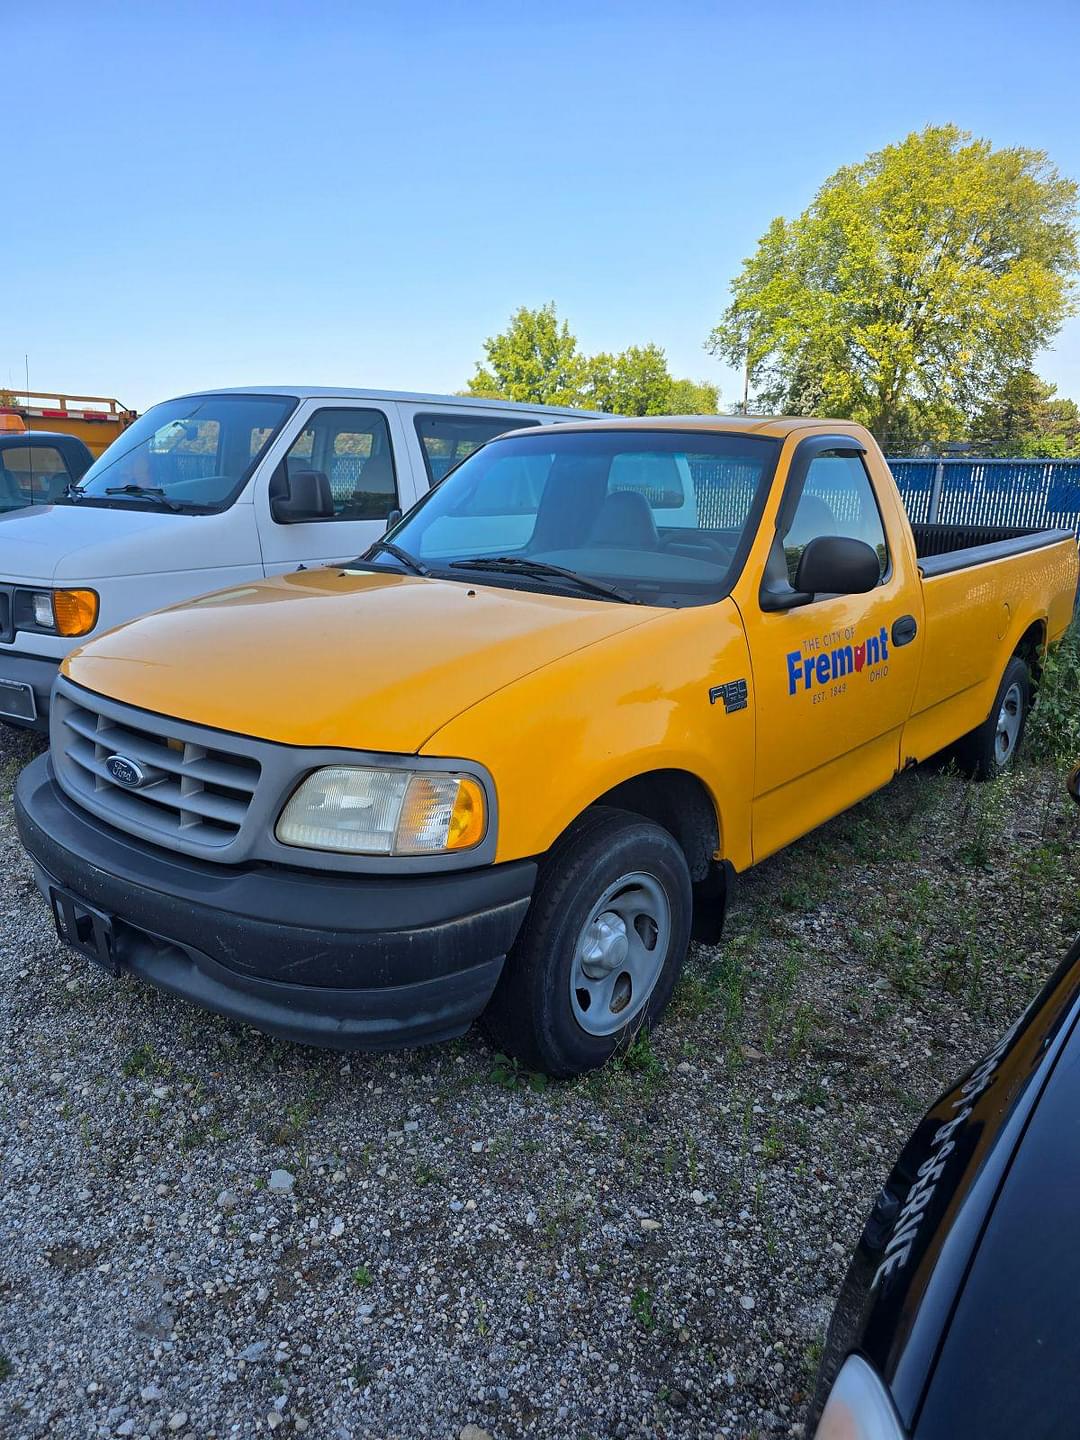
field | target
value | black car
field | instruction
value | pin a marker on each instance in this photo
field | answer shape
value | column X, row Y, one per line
column 959, row 1313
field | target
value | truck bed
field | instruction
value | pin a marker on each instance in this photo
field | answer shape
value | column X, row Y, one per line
column 943, row 548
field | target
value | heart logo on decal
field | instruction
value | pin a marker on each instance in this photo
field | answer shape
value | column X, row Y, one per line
column 860, row 655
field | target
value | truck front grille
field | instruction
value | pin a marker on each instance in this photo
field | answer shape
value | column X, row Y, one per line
column 176, row 788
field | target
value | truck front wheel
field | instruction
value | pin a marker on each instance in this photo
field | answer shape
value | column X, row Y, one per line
column 989, row 751
column 601, row 947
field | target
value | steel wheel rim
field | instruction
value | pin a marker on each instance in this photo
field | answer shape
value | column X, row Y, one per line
column 1008, row 724
column 620, row 953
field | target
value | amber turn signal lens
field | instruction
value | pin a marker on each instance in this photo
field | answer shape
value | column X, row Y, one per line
column 76, row 611
column 467, row 816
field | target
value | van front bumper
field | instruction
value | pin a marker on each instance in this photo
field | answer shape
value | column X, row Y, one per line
column 38, row 672
column 347, row 962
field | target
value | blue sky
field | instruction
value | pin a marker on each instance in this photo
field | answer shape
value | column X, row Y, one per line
column 358, row 194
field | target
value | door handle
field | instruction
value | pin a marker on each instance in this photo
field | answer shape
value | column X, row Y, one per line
column 904, row 630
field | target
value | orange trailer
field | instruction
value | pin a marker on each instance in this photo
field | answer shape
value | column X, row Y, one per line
column 91, row 418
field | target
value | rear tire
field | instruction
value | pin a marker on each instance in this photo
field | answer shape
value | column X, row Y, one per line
column 601, row 947
column 989, row 750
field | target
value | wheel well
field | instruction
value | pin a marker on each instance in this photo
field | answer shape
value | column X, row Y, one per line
column 1031, row 648
column 680, row 803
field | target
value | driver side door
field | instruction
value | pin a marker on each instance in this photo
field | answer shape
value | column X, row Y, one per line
column 350, row 450
column 834, row 678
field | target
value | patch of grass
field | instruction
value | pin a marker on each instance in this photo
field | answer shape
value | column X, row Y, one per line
column 6, row 1367
column 142, row 1060
column 508, row 1074
column 642, row 1307
column 362, row 1277
column 1053, row 729
column 640, row 1058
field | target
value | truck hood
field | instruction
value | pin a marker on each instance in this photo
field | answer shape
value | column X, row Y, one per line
column 44, row 544
column 364, row 661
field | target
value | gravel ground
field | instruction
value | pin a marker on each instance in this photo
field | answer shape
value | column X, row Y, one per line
column 208, row 1233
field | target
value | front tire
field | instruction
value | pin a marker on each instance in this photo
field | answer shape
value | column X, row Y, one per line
column 988, row 751
column 601, row 947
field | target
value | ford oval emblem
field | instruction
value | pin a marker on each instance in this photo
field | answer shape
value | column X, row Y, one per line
column 128, row 773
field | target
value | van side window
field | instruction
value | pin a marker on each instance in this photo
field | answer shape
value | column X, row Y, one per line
column 352, row 449
column 447, row 439
column 837, row 499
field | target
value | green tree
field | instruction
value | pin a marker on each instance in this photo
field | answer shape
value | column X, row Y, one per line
column 693, row 397
column 1027, row 418
column 911, row 288
column 634, row 382
column 535, row 359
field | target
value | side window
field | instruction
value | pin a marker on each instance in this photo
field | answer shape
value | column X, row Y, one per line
column 352, row 449
column 445, row 440
column 837, row 499
column 33, row 472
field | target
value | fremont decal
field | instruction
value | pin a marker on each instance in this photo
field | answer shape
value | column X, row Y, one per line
column 824, row 666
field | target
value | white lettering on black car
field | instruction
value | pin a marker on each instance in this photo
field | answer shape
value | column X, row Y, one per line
column 928, row 1176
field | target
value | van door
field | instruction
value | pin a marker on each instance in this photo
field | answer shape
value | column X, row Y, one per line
column 833, row 679
column 346, row 466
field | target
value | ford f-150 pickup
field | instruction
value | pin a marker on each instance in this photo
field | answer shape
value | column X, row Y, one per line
column 506, row 760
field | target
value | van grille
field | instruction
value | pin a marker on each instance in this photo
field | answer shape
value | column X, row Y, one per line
column 195, row 792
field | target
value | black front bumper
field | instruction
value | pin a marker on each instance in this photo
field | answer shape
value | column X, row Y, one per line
column 348, row 962
column 37, row 671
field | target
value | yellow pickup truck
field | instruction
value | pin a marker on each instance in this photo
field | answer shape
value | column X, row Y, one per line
column 507, row 760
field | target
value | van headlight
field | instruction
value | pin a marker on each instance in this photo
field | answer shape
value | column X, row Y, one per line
column 365, row 811
column 858, row 1407
column 56, row 612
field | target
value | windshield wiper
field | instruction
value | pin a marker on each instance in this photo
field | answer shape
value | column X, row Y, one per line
column 152, row 492
column 522, row 565
column 409, row 561
column 73, row 490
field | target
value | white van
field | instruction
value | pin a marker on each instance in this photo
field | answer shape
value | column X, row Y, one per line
column 216, row 489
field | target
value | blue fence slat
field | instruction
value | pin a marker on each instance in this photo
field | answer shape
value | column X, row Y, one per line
column 1043, row 493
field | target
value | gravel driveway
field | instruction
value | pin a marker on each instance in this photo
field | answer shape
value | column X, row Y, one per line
column 209, row 1233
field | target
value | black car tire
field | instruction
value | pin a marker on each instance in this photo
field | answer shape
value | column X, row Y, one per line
column 980, row 754
column 532, row 1015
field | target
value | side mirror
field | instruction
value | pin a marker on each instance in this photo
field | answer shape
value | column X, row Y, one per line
column 303, row 495
column 393, row 518
column 837, row 565
column 1073, row 784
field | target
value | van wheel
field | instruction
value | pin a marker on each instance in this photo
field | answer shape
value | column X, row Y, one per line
column 601, row 947
column 989, row 751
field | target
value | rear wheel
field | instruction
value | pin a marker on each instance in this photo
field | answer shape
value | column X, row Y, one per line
column 989, row 751
column 601, row 947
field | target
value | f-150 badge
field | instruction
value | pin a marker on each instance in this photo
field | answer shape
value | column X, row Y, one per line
column 733, row 693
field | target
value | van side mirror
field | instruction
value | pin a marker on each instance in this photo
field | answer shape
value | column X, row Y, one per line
column 393, row 518
column 837, row 565
column 302, row 495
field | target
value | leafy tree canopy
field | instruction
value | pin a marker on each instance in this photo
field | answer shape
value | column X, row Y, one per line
column 1027, row 418
column 536, row 359
column 915, row 284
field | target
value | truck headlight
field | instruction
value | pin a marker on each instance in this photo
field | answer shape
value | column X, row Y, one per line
column 56, row 612
column 365, row 811
column 858, row 1407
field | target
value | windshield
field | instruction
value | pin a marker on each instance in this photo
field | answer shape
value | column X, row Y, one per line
column 191, row 454
column 662, row 515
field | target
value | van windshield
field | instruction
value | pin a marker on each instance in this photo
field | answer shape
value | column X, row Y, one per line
column 660, row 515
column 192, row 454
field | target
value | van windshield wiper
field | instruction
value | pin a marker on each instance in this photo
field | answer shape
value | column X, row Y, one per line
column 151, row 492
column 409, row 561
column 522, row 565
